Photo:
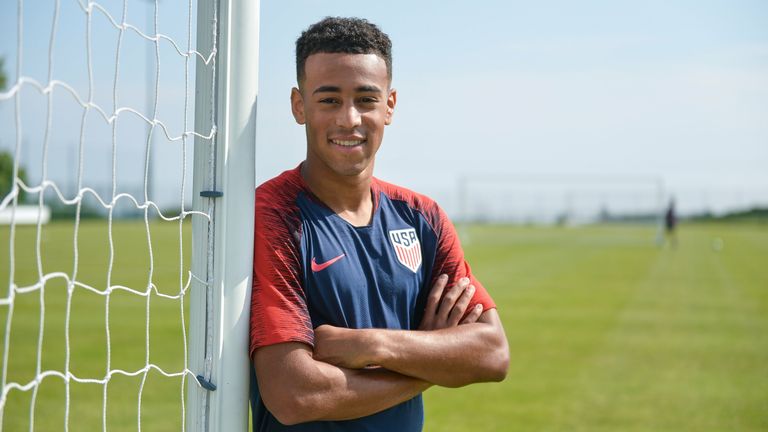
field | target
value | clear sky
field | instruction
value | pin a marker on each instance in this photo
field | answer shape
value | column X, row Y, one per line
column 676, row 90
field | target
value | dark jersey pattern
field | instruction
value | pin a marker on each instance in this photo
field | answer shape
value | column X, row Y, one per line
column 311, row 267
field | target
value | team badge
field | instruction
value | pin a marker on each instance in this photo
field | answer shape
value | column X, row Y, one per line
column 407, row 247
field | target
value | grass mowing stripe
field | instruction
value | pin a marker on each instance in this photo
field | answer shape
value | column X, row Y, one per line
column 744, row 258
column 747, row 368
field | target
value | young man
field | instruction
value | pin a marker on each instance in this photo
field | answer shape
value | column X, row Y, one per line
column 361, row 295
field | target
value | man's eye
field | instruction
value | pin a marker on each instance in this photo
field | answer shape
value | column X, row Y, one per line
column 328, row 101
column 368, row 100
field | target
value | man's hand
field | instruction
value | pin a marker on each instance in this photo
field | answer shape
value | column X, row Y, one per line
column 446, row 306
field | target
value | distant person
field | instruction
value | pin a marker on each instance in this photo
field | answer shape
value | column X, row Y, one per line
column 670, row 223
column 361, row 296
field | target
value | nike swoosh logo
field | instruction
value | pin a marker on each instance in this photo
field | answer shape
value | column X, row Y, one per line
column 318, row 267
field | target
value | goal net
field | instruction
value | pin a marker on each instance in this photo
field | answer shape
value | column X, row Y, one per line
column 123, row 292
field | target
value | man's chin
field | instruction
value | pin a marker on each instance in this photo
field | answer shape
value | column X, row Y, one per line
column 355, row 170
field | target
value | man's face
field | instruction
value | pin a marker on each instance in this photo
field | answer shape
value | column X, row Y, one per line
column 345, row 102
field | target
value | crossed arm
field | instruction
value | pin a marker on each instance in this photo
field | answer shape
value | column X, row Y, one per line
column 448, row 357
column 297, row 388
column 443, row 353
column 333, row 382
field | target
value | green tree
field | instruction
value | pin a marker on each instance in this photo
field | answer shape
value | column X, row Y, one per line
column 6, row 159
column 6, row 176
column 2, row 74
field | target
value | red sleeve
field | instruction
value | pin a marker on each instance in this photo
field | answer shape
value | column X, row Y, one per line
column 450, row 260
column 278, row 303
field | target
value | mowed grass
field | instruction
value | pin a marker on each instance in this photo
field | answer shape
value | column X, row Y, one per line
column 127, row 314
column 607, row 331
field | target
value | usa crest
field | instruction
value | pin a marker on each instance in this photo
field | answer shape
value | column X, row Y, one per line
column 407, row 247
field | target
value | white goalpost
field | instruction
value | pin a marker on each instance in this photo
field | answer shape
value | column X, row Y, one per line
column 129, row 308
column 228, row 196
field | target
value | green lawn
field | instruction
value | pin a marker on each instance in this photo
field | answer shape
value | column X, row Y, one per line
column 607, row 332
column 161, row 396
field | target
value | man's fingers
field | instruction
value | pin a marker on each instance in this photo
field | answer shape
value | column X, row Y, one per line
column 427, row 322
column 473, row 315
column 434, row 296
column 461, row 306
column 447, row 305
column 450, row 298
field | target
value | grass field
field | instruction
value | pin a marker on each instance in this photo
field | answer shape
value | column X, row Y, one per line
column 607, row 332
column 161, row 396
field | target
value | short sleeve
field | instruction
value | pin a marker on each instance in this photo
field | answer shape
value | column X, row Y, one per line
column 278, row 303
column 449, row 260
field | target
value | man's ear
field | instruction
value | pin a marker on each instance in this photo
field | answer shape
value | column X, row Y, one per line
column 391, row 102
column 297, row 106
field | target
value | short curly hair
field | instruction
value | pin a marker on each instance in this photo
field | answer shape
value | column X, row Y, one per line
column 342, row 35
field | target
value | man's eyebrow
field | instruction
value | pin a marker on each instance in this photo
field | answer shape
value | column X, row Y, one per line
column 327, row 89
column 335, row 89
column 368, row 89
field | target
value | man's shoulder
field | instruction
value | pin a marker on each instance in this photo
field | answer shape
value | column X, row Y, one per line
column 416, row 201
column 276, row 210
column 287, row 179
column 279, row 191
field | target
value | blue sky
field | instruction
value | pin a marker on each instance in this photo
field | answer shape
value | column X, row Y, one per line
column 676, row 90
column 671, row 89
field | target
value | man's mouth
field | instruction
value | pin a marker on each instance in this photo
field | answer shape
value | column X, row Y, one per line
column 348, row 142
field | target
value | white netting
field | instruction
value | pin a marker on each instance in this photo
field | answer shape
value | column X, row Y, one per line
column 95, row 325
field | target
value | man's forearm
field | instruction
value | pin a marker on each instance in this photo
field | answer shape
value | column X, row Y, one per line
column 357, row 393
column 299, row 389
column 450, row 357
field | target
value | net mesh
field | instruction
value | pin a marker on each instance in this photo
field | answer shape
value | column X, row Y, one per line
column 95, row 312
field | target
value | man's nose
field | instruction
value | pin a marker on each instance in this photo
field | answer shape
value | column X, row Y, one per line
column 348, row 117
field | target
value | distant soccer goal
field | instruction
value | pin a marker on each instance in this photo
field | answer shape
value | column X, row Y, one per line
column 129, row 127
column 564, row 199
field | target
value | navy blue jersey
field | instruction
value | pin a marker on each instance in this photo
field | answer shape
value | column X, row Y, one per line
column 311, row 267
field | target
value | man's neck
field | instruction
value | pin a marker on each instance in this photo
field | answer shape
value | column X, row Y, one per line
column 348, row 196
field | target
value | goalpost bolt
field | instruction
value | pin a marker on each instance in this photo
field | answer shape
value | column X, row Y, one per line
column 211, row 194
column 206, row 384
